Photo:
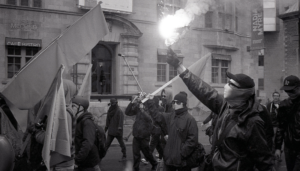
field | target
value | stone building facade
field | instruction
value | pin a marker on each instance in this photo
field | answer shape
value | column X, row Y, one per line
column 224, row 30
column 282, row 48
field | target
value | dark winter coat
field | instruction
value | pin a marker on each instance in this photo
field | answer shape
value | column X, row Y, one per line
column 86, row 152
column 245, row 145
column 273, row 113
column 143, row 126
column 114, row 121
column 289, row 124
column 182, row 134
column 268, row 126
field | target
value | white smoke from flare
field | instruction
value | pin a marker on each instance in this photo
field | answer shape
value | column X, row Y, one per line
column 169, row 26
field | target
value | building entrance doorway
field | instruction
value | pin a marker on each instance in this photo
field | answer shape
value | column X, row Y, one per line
column 102, row 68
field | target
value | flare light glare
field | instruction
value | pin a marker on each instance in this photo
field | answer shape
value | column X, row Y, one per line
column 169, row 26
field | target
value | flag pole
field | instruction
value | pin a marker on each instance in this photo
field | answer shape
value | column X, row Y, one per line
column 171, row 81
column 131, row 71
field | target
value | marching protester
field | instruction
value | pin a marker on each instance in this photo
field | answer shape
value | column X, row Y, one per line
column 58, row 162
column 114, row 126
column 166, row 98
column 182, row 135
column 142, row 129
column 86, row 152
column 272, row 108
column 239, row 138
column 158, row 132
column 289, row 125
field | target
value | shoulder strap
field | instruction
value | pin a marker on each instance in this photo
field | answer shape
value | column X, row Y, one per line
column 224, row 133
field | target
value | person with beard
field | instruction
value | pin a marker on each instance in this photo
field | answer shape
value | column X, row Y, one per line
column 182, row 129
column 239, row 141
column 289, row 124
column 141, row 131
column 114, row 126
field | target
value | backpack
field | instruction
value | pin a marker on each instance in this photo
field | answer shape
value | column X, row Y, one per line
column 100, row 140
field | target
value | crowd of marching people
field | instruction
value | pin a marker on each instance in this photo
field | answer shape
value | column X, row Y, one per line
column 245, row 135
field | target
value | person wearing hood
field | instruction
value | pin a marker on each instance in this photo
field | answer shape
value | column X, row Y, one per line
column 166, row 98
column 289, row 124
column 141, row 131
column 182, row 132
column 243, row 145
column 114, row 126
column 86, row 152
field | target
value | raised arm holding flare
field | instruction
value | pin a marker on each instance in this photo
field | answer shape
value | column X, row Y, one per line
column 245, row 146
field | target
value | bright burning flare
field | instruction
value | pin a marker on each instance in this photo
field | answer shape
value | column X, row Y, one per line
column 170, row 26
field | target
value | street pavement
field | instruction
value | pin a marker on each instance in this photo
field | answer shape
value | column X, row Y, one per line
column 114, row 154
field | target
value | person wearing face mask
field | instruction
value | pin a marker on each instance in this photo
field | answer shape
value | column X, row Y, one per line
column 182, row 132
column 86, row 152
column 114, row 126
column 289, row 124
column 239, row 141
column 141, row 131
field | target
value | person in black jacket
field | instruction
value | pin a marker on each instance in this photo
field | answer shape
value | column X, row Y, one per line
column 272, row 108
column 142, row 129
column 114, row 126
column 182, row 136
column 289, row 124
column 86, row 152
column 244, row 147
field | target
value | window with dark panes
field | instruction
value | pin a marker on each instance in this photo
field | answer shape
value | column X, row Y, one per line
column 260, row 84
column 24, row 2
column 37, row 3
column 13, row 60
column 165, row 72
column 208, row 19
column 260, row 60
column 17, row 57
column 11, row 2
column 219, row 69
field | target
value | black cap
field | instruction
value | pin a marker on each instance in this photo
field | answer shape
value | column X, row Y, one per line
column 244, row 80
column 290, row 83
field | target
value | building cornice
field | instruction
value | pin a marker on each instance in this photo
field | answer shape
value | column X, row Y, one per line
column 41, row 10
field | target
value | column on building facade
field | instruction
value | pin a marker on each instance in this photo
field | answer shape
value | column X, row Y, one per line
column 130, row 50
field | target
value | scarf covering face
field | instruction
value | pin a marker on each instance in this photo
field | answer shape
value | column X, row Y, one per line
column 239, row 97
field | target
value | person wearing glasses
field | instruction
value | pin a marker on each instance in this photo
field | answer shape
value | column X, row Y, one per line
column 182, row 136
column 239, row 141
column 289, row 124
column 114, row 126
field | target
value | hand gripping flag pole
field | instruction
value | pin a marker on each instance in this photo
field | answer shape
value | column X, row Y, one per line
column 131, row 71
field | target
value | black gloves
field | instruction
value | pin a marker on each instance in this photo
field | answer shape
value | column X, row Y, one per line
column 172, row 58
